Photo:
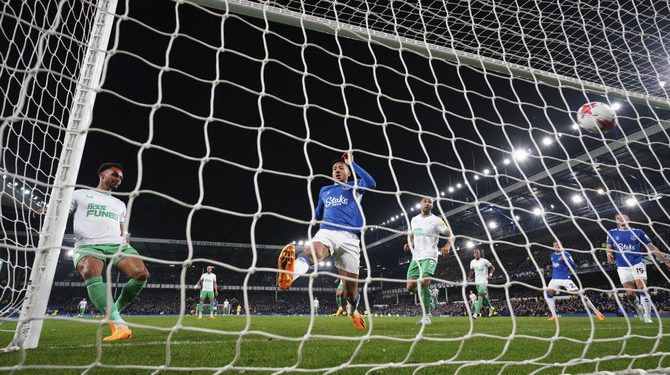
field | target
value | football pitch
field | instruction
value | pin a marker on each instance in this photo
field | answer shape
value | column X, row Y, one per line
column 205, row 346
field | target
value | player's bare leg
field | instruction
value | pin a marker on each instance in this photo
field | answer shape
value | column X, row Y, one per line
column 353, row 298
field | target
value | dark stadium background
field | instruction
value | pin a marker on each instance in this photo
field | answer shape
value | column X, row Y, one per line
column 143, row 110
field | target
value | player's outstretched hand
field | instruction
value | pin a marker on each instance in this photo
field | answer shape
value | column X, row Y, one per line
column 405, row 247
column 348, row 158
column 610, row 257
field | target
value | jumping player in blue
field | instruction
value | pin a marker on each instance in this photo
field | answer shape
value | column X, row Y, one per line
column 560, row 278
column 627, row 241
column 337, row 235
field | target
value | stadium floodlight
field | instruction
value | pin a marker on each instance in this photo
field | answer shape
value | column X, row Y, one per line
column 393, row 219
column 450, row 189
column 576, row 198
column 575, row 126
column 601, row 191
column 459, row 185
column 70, row 253
column 293, row 242
column 397, row 216
column 328, row 264
column 486, row 171
column 442, row 193
column 552, row 206
column 547, row 141
column 476, row 177
column 492, row 224
column 616, row 106
column 630, row 201
column 26, row 191
column 537, row 211
column 411, row 209
column 661, row 83
column 520, row 155
column 301, row 242
column 469, row 244
column 517, row 217
column 417, row 206
column 506, row 161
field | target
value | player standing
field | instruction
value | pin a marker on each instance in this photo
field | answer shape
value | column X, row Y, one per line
column 99, row 228
column 425, row 231
column 483, row 270
column 629, row 260
column 342, row 220
column 560, row 278
column 209, row 291
column 226, row 307
column 315, row 304
column 83, row 304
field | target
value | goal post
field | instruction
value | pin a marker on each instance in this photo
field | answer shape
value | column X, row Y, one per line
column 38, row 289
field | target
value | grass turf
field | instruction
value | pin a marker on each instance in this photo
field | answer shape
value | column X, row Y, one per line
column 203, row 346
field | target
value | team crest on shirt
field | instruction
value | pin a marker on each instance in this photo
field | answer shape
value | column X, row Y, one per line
column 89, row 195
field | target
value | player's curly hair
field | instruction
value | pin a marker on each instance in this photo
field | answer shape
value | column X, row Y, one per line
column 105, row 166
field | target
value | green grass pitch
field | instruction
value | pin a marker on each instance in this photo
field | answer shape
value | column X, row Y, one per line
column 206, row 346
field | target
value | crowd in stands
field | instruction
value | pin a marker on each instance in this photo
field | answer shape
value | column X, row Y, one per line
column 168, row 301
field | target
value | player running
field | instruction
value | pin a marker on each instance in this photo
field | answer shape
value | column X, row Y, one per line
column 425, row 231
column 209, row 291
column 560, row 278
column 483, row 270
column 338, row 208
column 629, row 257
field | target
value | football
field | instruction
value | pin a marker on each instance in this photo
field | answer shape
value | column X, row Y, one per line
column 596, row 117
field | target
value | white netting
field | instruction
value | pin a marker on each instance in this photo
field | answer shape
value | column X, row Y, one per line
column 41, row 54
column 227, row 114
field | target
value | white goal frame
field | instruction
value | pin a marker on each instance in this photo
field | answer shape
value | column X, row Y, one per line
column 31, row 319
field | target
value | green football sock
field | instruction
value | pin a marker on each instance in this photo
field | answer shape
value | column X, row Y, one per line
column 129, row 292
column 211, row 308
column 425, row 294
column 200, row 307
column 339, row 301
column 487, row 301
column 97, row 292
column 478, row 304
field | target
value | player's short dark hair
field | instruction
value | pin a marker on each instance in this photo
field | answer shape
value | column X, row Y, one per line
column 339, row 160
column 105, row 166
column 622, row 213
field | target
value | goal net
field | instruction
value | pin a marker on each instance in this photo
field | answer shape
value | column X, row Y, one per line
column 227, row 115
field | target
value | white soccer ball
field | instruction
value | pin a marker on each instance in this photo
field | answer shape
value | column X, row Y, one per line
column 596, row 117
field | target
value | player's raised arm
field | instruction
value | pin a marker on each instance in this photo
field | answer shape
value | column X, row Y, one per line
column 364, row 178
